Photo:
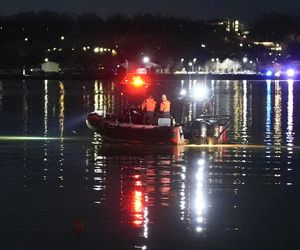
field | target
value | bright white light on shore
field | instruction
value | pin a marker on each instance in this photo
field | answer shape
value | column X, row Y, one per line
column 96, row 50
column 277, row 74
column 146, row 59
column 62, row 38
column 183, row 92
column 26, row 39
column 290, row 73
column 46, row 60
column 269, row 73
column 245, row 59
column 113, row 52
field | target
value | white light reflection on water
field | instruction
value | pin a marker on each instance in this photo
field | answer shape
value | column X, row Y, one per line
column 290, row 113
column 61, row 130
column 268, row 132
column 45, row 108
column 99, row 171
column 199, row 197
column 182, row 194
column 245, row 114
column 277, row 115
column 45, row 129
column 98, row 96
column 290, row 124
column 237, row 111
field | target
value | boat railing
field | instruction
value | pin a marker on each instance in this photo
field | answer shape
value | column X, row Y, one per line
column 210, row 119
column 222, row 122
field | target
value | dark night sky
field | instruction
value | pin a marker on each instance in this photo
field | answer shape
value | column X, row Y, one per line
column 246, row 10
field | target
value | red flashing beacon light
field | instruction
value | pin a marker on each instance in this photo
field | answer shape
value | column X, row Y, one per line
column 137, row 81
column 134, row 83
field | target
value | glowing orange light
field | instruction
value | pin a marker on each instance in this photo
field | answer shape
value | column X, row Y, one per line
column 137, row 81
column 138, row 183
column 139, row 216
column 138, row 207
column 138, row 201
column 137, row 222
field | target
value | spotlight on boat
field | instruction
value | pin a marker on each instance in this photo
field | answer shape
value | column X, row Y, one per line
column 200, row 93
column 290, row 72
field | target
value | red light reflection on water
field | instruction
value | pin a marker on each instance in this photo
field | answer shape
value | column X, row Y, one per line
column 137, row 202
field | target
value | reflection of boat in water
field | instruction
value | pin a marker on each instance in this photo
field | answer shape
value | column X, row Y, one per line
column 206, row 129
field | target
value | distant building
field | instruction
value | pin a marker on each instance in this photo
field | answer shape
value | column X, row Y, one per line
column 230, row 25
column 270, row 45
column 141, row 68
column 129, row 66
column 50, row 67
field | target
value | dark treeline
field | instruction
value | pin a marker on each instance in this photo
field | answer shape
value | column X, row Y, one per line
column 26, row 38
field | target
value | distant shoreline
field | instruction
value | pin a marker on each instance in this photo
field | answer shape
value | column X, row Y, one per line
column 154, row 77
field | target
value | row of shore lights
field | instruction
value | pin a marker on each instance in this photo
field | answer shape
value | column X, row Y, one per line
column 97, row 50
column 85, row 48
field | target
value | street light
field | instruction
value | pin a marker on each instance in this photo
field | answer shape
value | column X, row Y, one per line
column 194, row 64
column 191, row 65
column 146, row 59
column 181, row 63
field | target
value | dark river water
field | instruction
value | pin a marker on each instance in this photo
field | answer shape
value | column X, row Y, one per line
column 64, row 187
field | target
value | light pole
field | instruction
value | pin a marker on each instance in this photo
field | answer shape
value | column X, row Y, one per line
column 245, row 60
column 181, row 63
column 191, row 66
column 146, row 60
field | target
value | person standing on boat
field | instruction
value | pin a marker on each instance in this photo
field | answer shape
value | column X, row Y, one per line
column 148, row 107
column 164, row 107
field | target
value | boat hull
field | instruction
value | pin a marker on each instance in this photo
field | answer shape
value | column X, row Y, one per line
column 133, row 132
